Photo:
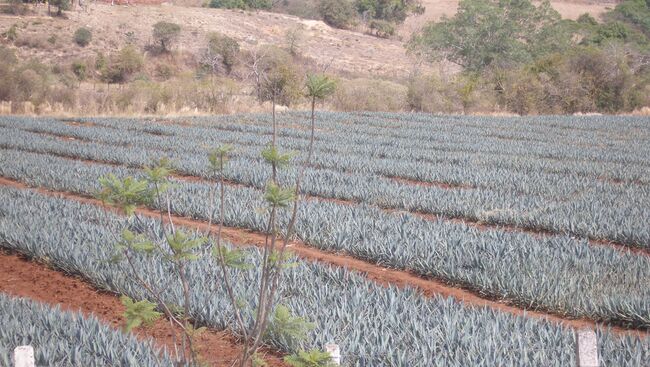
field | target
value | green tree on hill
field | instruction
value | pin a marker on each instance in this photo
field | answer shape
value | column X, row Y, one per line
column 165, row 34
column 485, row 32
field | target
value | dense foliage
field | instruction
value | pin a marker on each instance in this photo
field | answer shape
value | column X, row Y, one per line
column 527, row 60
column 241, row 4
column 487, row 32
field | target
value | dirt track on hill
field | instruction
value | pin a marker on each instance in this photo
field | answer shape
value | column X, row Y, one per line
column 23, row 278
column 379, row 274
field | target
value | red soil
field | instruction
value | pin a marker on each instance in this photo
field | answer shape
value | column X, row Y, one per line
column 24, row 278
column 379, row 274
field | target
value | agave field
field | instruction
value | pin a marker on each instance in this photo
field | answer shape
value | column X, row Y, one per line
column 544, row 214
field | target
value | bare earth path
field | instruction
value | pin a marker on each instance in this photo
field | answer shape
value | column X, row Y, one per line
column 381, row 275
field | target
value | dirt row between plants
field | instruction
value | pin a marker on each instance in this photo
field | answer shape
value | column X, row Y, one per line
column 21, row 277
column 381, row 275
column 483, row 226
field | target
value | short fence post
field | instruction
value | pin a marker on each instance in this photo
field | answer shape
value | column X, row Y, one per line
column 24, row 356
column 587, row 348
column 335, row 352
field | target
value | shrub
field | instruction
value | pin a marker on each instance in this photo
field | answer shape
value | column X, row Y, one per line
column 222, row 51
column 278, row 77
column 227, row 4
column 426, row 93
column 82, row 37
column 382, row 28
column 165, row 34
column 7, row 56
column 164, row 71
column 240, row 4
column 337, row 13
column 127, row 62
column 369, row 95
column 12, row 33
column 61, row 5
column 16, row 7
column 79, row 69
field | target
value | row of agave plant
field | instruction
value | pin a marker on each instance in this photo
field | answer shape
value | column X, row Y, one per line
column 584, row 158
column 555, row 273
column 63, row 338
column 579, row 206
column 375, row 325
column 564, row 138
column 441, row 141
column 528, row 176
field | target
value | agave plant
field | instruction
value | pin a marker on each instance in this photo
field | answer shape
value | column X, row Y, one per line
column 391, row 326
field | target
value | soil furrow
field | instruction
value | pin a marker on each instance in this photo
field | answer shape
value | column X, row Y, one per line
column 381, row 275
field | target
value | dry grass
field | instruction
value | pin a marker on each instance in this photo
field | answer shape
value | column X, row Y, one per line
column 113, row 27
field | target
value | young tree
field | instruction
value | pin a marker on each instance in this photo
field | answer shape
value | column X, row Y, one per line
column 294, row 38
column 319, row 87
column 172, row 245
column 179, row 248
column 165, row 34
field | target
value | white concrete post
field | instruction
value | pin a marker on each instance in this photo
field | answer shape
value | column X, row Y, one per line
column 335, row 352
column 587, row 348
column 24, row 356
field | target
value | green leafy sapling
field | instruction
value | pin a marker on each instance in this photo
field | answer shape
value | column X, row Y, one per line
column 277, row 196
column 233, row 259
column 312, row 358
column 138, row 313
column 183, row 246
column 126, row 194
column 292, row 330
column 277, row 160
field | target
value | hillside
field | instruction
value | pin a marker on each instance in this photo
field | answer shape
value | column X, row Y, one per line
column 347, row 52
column 113, row 26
